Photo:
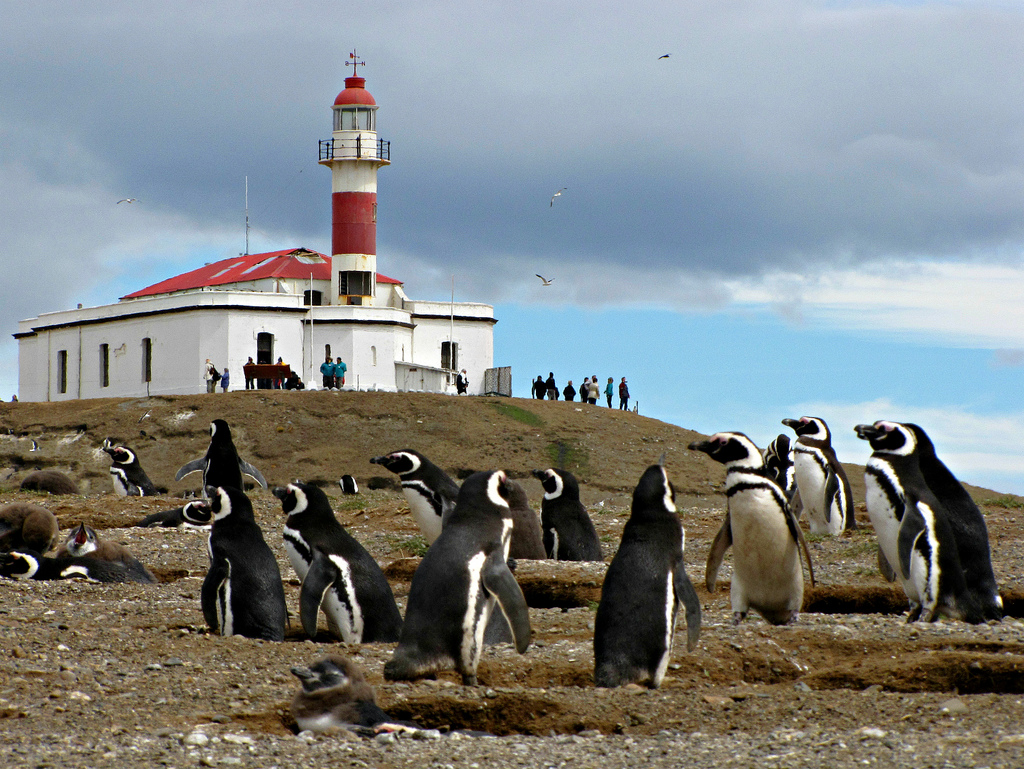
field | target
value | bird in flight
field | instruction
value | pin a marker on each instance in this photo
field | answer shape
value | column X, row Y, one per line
column 144, row 416
column 557, row 194
column 128, row 200
column 546, row 281
column 665, row 56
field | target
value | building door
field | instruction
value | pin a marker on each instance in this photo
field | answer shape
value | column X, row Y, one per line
column 264, row 354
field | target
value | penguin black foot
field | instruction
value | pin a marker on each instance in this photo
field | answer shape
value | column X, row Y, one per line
column 469, row 679
column 738, row 617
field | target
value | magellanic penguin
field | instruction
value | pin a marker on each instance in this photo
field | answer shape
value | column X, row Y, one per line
column 29, row 564
column 170, row 519
column 337, row 573
column 24, row 525
column 527, row 540
column 460, row 580
column 824, row 489
column 645, row 585
column 126, row 473
column 778, row 458
column 348, row 485
column 336, row 695
column 242, row 593
column 916, row 536
column 83, row 542
column 569, row 534
column 221, row 466
column 429, row 490
column 764, row 535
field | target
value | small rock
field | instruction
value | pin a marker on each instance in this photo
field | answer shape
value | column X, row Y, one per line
column 238, row 739
column 872, row 731
column 426, row 734
column 800, row 686
column 173, row 662
column 387, row 738
column 154, row 666
column 953, row 707
column 220, row 718
column 196, row 739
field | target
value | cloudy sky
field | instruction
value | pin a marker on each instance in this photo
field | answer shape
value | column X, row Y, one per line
column 807, row 208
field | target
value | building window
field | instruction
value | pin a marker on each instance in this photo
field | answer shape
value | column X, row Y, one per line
column 104, row 365
column 147, row 360
column 373, row 354
column 312, row 298
column 62, row 371
column 450, row 355
column 355, row 283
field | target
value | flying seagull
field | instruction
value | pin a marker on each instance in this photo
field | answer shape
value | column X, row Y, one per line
column 144, row 416
column 665, row 56
column 557, row 194
column 546, row 281
column 128, row 200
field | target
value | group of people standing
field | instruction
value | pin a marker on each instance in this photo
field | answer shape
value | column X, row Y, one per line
column 333, row 373
column 590, row 391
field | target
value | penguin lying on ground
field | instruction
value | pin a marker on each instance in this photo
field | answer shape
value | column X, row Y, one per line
column 459, row 582
column 915, row 530
column 645, row 585
column 221, row 466
column 50, row 481
column 25, row 525
column 170, row 519
column 337, row 573
column 83, row 542
column 765, row 537
column 429, row 490
column 824, row 489
column 242, row 593
column 29, row 564
column 336, row 695
column 126, row 473
column 569, row 534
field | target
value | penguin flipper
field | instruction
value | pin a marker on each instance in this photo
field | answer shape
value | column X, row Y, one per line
column 499, row 582
column 888, row 572
column 252, row 472
column 321, row 576
column 796, row 504
column 911, row 528
column 214, row 595
column 191, row 467
column 722, row 542
column 831, row 493
column 798, row 536
column 687, row 596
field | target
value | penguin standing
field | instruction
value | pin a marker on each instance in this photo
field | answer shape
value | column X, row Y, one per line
column 916, row 536
column 242, row 593
column 29, row 564
column 429, row 490
column 126, row 473
column 336, row 695
column 527, row 540
column 569, row 534
column 820, row 478
column 170, row 519
column 24, row 525
column 645, row 585
column 221, row 466
column 764, row 535
column 460, row 580
column 83, row 542
column 337, row 573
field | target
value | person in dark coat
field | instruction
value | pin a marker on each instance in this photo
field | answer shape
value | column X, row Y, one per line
column 623, row 395
column 539, row 388
column 552, row 387
column 569, row 393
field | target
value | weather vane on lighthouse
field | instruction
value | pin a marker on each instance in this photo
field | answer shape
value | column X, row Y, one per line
column 355, row 62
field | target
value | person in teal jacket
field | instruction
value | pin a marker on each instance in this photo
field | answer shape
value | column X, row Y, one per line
column 327, row 369
column 608, row 390
column 339, row 373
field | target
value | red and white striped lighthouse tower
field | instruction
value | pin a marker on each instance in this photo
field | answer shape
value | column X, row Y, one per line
column 354, row 153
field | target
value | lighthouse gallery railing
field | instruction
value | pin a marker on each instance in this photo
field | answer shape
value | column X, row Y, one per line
column 332, row 149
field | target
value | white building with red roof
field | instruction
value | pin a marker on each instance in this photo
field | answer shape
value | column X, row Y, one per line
column 297, row 305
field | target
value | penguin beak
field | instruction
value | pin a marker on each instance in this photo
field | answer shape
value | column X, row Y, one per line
column 867, row 432
column 377, row 460
column 540, row 475
column 704, row 446
column 792, row 423
column 280, row 492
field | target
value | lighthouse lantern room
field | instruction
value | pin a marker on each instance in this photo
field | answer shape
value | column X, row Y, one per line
column 354, row 153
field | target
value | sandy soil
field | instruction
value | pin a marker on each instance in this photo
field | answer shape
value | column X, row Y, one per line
column 97, row 675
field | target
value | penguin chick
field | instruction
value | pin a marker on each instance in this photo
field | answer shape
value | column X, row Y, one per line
column 527, row 539
column 336, row 695
column 83, row 542
column 49, row 481
column 26, row 525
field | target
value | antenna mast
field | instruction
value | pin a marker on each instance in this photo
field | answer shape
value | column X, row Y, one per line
column 247, row 216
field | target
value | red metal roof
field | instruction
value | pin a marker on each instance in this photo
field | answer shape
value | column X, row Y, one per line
column 293, row 264
column 355, row 93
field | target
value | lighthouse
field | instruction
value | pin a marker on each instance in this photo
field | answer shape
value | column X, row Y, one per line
column 354, row 153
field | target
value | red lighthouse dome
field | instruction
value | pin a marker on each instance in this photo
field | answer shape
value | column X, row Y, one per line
column 355, row 93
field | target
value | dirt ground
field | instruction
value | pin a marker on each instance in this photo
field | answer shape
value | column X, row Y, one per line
column 97, row 675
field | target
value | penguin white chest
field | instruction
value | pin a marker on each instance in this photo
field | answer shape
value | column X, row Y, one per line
column 881, row 510
column 298, row 555
column 810, row 480
column 766, row 561
column 424, row 512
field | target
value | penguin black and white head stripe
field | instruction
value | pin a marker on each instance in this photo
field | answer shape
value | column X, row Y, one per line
column 429, row 490
column 569, row 533
column 336, row 695
column 908, row 505
column 221, row 465
column 84, row 542
column 825, row 491
column 759, row 526
column 339, row 577
column 348, row 485
column 242, row 593
column 29, row 564
column 27, row 525
column 463, row 577
column 126, row 473
column 196, row 510
column 644, row 587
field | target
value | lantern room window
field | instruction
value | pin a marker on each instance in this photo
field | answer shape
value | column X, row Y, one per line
column 355, row 119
